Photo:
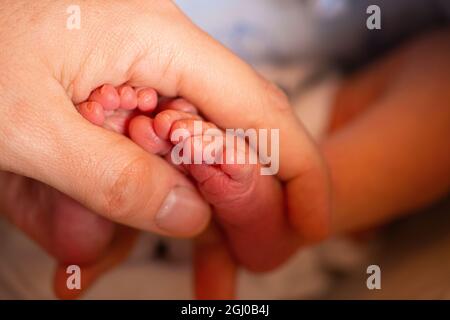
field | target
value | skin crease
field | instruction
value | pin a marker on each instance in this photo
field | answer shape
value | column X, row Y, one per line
column 47, row 141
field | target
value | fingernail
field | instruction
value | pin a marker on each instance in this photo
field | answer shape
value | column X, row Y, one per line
column 183, row 213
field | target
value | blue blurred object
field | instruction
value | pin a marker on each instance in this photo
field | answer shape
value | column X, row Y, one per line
column 286, row 30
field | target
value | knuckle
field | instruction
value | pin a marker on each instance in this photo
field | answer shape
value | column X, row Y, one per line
column 277, row 97
column 274, row 101
column 120, row 201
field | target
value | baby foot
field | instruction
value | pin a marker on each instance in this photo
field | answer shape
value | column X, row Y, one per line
column 115, row 108
column 248, row 206
column 109, row 106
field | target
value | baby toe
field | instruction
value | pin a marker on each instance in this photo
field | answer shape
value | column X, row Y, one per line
column 107, row 96
column 128, row 97
column 165, row 120
column 93, row 112
column 147, row 99
column 182, row 129
column 141, row 131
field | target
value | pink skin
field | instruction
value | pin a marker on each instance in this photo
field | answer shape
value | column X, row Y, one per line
column 93, row 111
column 147, row 99
column 107, row 96
column 128, row 97
column 113, row 108
column 248, row 206
column 166, row 119
column 80, row 235
column 177, row 104
column 142, row 132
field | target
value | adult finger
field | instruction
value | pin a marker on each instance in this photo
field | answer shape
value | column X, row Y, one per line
column 215, row 271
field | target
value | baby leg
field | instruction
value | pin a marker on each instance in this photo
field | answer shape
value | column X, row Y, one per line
column 248, row 206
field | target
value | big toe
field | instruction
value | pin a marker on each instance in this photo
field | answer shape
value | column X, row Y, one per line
column 141, row 131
